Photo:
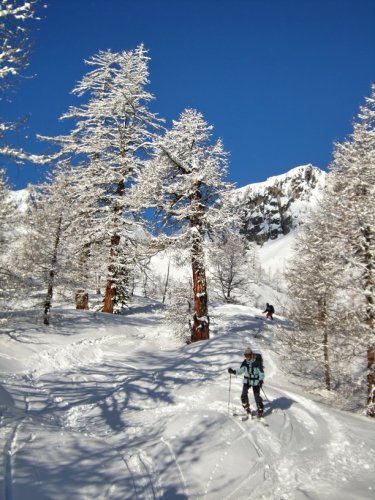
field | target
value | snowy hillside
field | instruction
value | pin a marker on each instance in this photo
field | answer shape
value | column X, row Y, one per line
column 113, row 407
column 98, row 406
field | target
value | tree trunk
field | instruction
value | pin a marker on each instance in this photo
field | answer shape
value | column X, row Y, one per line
column 82, row 299
column 52, row 272
column 200, row 324
column 111, row 287
column 327, row 371
column 48, row 299
column 166, row 282
column 370, row 375
column 369, row 283
column 323, row 325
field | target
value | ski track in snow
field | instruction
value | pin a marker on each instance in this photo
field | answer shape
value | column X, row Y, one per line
column 175, row 460
column 142, row 431
column 254, row 467
column 9, row 450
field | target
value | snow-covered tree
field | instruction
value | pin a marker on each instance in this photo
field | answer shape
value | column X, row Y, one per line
column 312, row 279
column 113, row 131
column 184, row 183
column 230, row 271
column 16, row 17
column 178, row 313
column 7, row 220
column 42, row 258
column 6, row 209
column 332, row 279
column 353, row 172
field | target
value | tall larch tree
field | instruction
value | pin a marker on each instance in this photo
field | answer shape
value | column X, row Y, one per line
column 353, row 171
column 184, row 183
column 43, row 258
column 107, row 147
column 312, row 282
column 334, row 264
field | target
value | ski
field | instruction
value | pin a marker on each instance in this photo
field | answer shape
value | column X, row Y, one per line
column 243, row 417
column 262, row 421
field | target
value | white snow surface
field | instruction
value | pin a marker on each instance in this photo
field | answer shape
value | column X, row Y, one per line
column 276, row 254
column 99, row 406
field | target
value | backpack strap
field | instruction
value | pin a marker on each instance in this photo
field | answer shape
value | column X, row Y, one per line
column 250, row 369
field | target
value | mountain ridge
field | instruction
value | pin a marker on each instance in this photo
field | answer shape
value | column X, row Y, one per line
column 278, row 205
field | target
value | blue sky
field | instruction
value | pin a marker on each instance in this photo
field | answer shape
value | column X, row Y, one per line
column 280, row 80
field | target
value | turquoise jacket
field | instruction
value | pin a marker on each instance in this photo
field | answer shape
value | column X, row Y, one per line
column 252, row 373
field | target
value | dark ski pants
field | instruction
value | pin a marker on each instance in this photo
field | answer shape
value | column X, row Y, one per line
column 257, row 397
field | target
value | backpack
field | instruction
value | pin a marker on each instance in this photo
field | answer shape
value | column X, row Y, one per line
column 271, row 309
column 258, row 361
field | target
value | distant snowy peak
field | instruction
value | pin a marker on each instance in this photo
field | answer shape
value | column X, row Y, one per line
column 306, row 176
column 278, row 205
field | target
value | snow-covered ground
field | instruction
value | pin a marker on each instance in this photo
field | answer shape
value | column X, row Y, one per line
column 114, row 407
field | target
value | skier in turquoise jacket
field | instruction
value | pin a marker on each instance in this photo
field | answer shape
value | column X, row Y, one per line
column 252, row 368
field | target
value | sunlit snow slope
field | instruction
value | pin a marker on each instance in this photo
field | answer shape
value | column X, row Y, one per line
column 112, row 407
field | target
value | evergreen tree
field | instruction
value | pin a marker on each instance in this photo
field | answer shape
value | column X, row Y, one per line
column 332, row 277
column 312, row 284
column 353, row 172
column 113, row 130
column 42, row 259
column 183, row 183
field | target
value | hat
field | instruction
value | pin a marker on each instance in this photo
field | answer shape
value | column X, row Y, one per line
column 248, row 351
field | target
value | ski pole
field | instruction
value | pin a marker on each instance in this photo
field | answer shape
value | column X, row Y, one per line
column 229, row 396
column 270, row 402
column 265, row 395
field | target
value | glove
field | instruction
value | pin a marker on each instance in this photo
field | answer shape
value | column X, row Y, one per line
column 260, row 383
column 231, row 371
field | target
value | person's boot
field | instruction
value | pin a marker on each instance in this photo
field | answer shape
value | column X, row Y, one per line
column 247, row 409
column 260, row 413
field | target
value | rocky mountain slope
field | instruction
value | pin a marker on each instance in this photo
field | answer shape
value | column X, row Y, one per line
column 278, row 205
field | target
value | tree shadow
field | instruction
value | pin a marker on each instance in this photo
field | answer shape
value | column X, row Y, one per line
column 171, row 494
column 113, row 403
column 281, row 403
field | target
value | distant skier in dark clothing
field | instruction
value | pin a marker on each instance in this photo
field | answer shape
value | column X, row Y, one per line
column 252, row 368
column 270, row 310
